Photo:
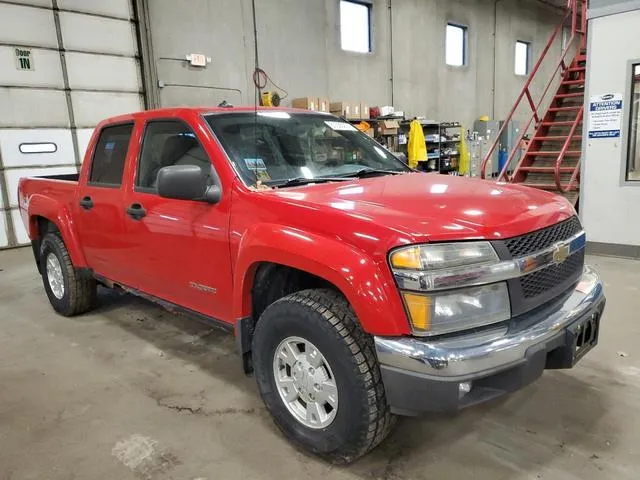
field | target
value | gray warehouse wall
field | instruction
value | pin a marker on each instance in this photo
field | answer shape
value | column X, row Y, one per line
column 299, row 47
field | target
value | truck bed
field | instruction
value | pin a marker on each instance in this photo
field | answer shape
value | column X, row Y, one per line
column 67, row 177
column 55, row 193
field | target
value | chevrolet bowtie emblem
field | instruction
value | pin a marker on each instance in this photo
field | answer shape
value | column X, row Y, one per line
column 561, row 253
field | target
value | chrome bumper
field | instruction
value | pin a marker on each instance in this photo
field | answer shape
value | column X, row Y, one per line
column 488, row 351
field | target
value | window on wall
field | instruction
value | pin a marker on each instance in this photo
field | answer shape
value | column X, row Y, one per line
column 633, row 155
column 456, row 45
column 355, row 26
column 523, row 51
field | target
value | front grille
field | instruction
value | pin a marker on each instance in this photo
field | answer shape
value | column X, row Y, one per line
column 542, row 281
column 541, row 239
column 537, row 288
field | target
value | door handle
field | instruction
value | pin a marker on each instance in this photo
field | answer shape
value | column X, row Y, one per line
column 136, row 211
column 86, row 203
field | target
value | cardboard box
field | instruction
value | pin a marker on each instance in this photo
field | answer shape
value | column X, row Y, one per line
column 371, row 132
column 342, row 109
column 323, row 104
column 355, row 110
column 386, row 110
column 364, row 110
column 305, row 103
column 389, row 127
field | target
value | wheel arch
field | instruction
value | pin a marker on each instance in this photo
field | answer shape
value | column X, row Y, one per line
column 316, row 261
column 43, row 215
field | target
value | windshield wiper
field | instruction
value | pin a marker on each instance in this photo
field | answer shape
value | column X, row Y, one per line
column 294, row 182
column 370, row 172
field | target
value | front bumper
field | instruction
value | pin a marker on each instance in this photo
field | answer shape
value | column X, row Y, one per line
column 422, row 375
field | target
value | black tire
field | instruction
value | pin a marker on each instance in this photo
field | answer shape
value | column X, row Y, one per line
column 326, row 319
column 80, row 291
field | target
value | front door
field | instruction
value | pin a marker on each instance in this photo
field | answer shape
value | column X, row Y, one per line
column 179, row 248
column 98, row 212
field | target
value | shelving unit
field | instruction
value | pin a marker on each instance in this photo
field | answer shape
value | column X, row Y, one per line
column 450, row 159
column 443, row 146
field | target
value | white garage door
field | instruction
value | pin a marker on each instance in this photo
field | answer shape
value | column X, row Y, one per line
column 64, row 66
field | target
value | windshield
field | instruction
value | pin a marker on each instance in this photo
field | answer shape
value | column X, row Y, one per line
column 275, row 147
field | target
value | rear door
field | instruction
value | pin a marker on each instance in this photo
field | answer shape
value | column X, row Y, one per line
column 99, row 212
column 178, row 249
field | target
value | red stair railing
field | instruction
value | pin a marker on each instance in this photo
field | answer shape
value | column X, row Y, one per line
column 563, row 152
column 573, row 7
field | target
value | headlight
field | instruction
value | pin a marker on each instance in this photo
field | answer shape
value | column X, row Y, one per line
column 450, row 311
column 439, row 256
column 418, row 270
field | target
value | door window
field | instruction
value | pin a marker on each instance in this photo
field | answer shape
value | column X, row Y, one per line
column 109, row 156
column 168, row 143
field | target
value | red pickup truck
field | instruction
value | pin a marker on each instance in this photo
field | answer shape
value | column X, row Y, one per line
column 357, row 288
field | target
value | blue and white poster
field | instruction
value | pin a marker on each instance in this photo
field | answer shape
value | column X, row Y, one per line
column 605, row 115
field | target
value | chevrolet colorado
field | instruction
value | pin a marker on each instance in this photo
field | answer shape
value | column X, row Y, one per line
column 358, row 289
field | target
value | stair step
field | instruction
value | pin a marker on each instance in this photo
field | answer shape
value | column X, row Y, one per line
column 544, row 177
column 568, row 162
column 558, row 124
column 569, row 95
column 572, row 108
column 572, row 82
column 547, row 169
column 541, row 186
column 557, row 138
column 576, row 69
column 551, row 153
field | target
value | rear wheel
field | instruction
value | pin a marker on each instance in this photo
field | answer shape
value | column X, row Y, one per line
column 69, row 292
column 318, row 375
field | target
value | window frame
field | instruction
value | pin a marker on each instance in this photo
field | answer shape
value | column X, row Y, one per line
column 369, row 6
column 627, row 120
column 154, row 191
column 95, row 149
column 465, row 44
column 527, row 60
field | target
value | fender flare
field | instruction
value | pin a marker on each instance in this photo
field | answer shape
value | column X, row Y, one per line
column 369, row 289
column 60, row 216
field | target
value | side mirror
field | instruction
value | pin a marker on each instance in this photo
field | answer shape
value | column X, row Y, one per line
column 187, row 182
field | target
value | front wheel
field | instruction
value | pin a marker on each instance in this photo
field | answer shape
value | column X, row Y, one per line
column 69, row 292
column 318, row 375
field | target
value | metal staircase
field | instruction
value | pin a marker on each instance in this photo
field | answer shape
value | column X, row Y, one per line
column 551, row 160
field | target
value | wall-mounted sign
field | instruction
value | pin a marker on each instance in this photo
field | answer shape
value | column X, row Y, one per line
column 198, row 59
column 24, row 58
column 605, row 115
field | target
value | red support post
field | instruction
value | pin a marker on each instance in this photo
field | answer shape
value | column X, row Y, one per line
column 533, row 106
column 563, row 152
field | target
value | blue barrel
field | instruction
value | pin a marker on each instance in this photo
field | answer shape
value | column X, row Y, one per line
column 502, row 159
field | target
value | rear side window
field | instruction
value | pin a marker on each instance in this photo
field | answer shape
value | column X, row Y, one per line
column 166, row 143
column 110, row 155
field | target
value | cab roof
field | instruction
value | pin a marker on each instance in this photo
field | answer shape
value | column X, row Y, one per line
column 180, row 111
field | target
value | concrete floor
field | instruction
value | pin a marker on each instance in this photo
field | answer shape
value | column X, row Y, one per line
column 133, row 392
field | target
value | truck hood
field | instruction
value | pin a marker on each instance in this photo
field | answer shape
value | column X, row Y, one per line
column 429, row 207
